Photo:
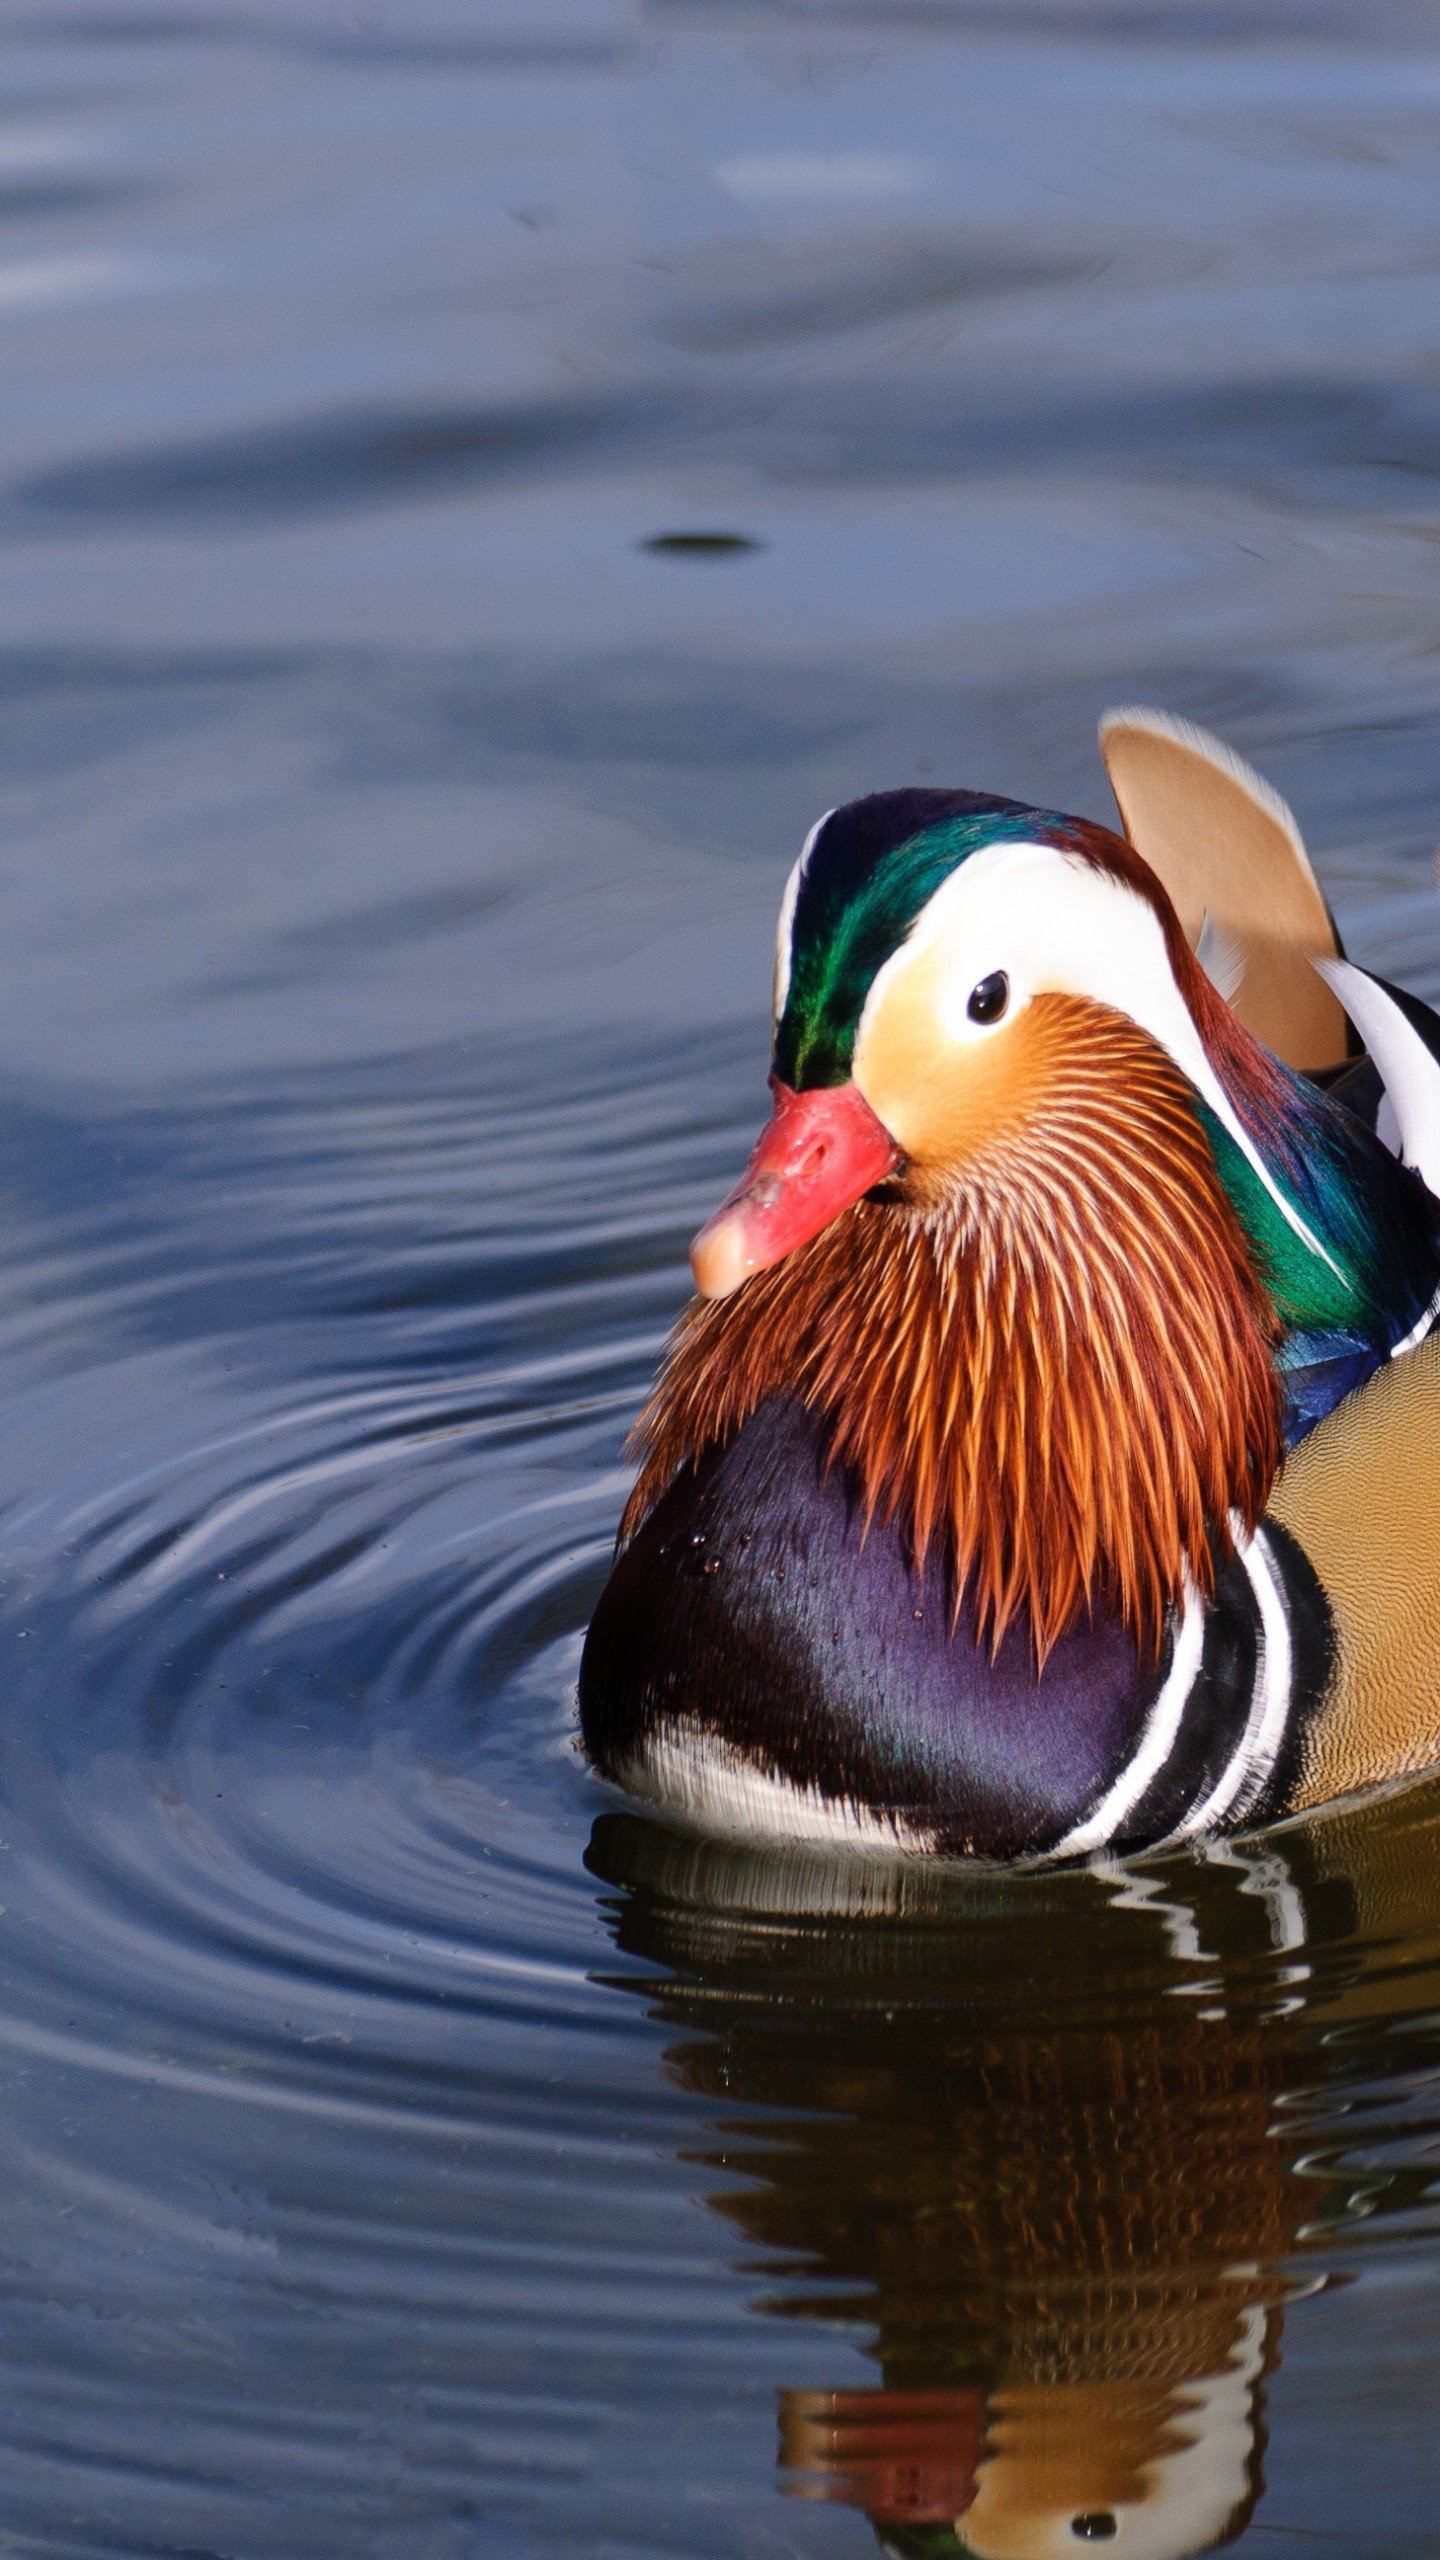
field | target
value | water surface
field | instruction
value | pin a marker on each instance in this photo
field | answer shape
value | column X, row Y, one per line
column 406, row 2151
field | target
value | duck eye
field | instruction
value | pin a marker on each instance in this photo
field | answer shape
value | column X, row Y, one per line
column 989, row 999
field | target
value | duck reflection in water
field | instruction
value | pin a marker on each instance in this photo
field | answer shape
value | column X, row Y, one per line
column 1042, row 2136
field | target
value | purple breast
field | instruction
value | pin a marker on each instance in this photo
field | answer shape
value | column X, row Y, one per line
column 752, row 1606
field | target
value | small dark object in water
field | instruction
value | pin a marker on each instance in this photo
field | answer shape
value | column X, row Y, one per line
column 707, row 546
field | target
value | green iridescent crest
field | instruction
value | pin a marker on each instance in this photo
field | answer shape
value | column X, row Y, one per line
column 874, row 868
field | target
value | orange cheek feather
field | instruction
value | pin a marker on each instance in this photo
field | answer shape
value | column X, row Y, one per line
column 952, row 1107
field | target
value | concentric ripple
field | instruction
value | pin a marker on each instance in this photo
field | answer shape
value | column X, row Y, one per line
column 298, row 1945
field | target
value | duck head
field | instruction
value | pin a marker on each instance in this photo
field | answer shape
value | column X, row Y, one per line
column 933, row 950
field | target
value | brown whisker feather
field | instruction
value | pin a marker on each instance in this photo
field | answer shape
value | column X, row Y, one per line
column 1055, row 1371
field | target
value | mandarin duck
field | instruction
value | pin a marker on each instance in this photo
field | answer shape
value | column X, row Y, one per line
column 1046, row 1467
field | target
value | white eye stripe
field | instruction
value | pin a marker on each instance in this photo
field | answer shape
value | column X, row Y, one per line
column 784, row 930
column 1057, row 925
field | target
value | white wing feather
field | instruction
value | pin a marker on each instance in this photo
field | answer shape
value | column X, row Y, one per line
column 1410, row 1075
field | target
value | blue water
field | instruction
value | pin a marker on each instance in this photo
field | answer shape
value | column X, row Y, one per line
column 408, row 2155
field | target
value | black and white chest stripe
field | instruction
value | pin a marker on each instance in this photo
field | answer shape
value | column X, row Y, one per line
column 1221, row 1740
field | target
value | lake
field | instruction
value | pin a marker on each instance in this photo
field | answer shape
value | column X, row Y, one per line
column 476, row 481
